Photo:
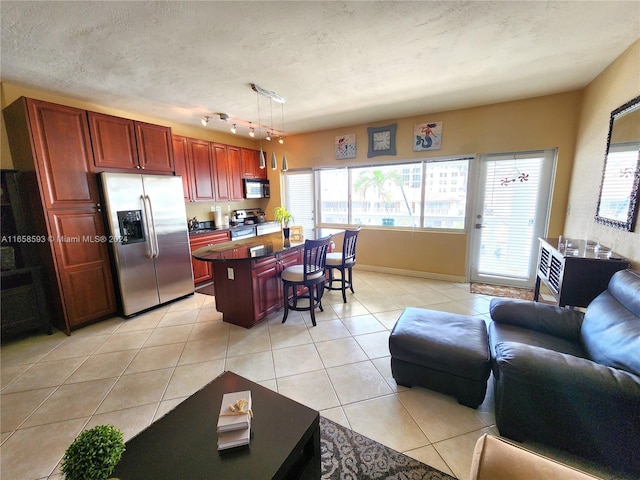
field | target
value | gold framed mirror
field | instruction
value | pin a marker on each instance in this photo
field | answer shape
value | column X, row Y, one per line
column 618, row 198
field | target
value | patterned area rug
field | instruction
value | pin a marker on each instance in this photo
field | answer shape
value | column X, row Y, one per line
column 501, row 291
column 347, row 455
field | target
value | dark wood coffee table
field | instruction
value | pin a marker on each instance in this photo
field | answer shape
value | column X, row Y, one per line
column 285, row 439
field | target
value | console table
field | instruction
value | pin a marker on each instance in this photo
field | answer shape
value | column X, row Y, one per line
column 575, row 272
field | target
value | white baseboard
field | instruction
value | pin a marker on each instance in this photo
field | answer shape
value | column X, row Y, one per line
column 411, row 273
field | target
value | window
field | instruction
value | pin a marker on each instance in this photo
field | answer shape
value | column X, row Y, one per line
column 298, row 186
column 395, row 194
column 450, row 202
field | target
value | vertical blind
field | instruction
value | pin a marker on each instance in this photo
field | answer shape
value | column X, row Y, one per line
column 511, row 193
column 299, row 198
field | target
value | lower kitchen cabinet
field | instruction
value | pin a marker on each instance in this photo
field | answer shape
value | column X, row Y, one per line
column 202, row 271
column 82, row 263
column 247, row 290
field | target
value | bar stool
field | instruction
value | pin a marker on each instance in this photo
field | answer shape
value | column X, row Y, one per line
column 308, row 277
column 343, row 261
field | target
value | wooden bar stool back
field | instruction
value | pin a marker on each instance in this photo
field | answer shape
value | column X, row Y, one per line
column 343, row 261
column 306, row 281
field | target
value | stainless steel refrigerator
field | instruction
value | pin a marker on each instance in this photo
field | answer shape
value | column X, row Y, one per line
column 147, row 225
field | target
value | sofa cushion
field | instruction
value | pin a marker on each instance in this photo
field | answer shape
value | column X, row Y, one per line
column 611, row 334
column 504, row 332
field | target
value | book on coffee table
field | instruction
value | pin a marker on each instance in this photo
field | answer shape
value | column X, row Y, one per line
column 233, row 438
column 235, row 411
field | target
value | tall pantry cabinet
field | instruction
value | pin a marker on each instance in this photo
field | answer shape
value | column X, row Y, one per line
column 51, row 147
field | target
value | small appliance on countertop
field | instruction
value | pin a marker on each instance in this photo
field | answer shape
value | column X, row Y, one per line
column 201, row 227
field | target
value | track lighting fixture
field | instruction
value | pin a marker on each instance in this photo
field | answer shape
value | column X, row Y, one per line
column 257, row 128
column 268, row 93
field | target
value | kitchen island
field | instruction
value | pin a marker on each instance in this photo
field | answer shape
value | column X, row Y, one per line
column 246, row 273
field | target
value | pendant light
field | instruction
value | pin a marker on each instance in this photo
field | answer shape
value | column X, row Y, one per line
column 252, row 131
column 285, row 163
column 273, row 96
column 263, row 162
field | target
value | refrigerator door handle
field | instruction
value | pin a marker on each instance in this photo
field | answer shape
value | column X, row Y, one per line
column 156, row 249
column 147, row 222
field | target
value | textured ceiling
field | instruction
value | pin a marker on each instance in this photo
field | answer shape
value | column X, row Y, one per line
column 336, row 63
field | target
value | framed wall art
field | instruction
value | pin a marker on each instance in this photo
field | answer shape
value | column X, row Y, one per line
column 382, row 140
column 427, row 136
column 345, row 146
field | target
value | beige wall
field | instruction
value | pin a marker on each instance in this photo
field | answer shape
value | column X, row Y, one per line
column 537, row 123
column 616, row 85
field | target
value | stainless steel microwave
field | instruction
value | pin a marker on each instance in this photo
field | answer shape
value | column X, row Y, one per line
column 256, row 188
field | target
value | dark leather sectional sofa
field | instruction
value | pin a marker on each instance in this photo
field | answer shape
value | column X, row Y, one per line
column 572, row 380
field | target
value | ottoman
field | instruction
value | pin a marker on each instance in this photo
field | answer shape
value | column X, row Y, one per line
column 441, row 351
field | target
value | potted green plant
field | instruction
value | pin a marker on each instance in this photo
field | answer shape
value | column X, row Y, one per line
column 93, row 454
column 283, row 216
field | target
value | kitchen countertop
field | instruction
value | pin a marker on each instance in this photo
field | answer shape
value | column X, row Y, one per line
column 272, row 243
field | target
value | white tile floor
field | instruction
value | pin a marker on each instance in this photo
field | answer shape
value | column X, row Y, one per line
column 130, row 372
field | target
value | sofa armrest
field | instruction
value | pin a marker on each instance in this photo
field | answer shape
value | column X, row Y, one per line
column 534, row 365
column 544, row 318
column 497, row 459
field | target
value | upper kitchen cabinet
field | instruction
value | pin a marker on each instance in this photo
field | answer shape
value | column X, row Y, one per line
column 221, row 172
column 235, row 173
column 121, row 143
column 201, row 169
column 227, row 175
column 114, row 141
column 154, row 147
column 181, row 161
column 251, row 164
column 61, row 156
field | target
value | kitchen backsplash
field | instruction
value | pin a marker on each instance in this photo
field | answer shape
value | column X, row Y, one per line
column 202, row 210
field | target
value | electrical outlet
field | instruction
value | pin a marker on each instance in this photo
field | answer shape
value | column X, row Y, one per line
column 230, row 274
column 212, row 208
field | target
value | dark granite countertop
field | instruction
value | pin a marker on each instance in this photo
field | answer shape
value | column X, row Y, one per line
column 258, row 247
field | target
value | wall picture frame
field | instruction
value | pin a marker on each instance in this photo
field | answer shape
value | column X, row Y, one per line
column 345, row 146
column 382, row 140
column 427, row 136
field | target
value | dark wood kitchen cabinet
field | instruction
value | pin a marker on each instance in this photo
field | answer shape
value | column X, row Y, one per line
column 221, row 173
column 200, row 161
column 226, row 171
column 251, row 164
column 155, row 152
column 203, row 271
column 266, row 282
column 234, row 159
column 121, row 143
column 181, row 163
column 50, row 145
column 257, row 279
